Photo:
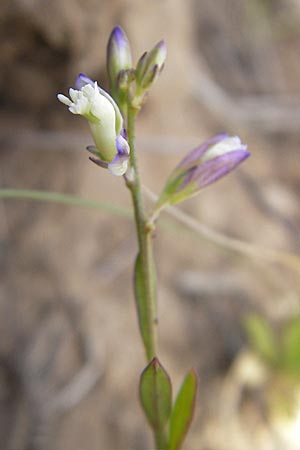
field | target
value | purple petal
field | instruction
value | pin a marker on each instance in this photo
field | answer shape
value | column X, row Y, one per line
column 124, row 134
column 161, row 45
column 210, row 171
column 122, row 146
column 82, row 80
column 119, row 36
column 195, row 154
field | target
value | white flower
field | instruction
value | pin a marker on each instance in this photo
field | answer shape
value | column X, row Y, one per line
column 105, row 120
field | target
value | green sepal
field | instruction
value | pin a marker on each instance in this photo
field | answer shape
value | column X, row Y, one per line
column 141, row 66
column 183, row 411
column 156, row 394
column 173, row 192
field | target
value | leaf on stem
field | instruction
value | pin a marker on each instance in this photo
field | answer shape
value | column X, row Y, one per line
column 156, row 394
column 291, row 347
column 262, row 338
column 183, row 410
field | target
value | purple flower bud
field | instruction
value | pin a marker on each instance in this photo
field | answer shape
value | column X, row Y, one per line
column 118, row 56
column 202, row 166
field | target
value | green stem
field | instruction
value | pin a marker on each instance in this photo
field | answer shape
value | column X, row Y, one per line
column 147, row 303
column 161, row 442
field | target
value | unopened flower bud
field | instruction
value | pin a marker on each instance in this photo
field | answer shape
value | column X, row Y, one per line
column 150, row 65
column 118, row 57
column 203, row 166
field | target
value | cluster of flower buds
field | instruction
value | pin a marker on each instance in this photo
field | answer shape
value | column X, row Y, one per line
column 125, row 81
column 202, row 166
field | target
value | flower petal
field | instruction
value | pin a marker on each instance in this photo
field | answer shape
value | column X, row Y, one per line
column 122, row 145
column 119, row 165
column 194, row 156
column 210, row 171
column 226, row 145
column 63, row 99
column 82, row 80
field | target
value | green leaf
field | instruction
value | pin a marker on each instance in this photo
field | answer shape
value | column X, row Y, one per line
column 183, row 410
column 262, row 338
column 145, row 316
column 156, row 394
column 291, row 347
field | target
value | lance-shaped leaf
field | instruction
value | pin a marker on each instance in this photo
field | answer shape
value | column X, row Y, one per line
column 183, row 411
column 201, row 167
column 262, row 338
column 156, row 394
column 291, row 347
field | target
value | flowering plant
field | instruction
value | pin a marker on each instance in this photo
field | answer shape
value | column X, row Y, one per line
column 111, row 117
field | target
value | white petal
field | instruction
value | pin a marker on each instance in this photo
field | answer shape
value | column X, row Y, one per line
column 118, row 168
column 88, row 91
column 102, row 108
column 73, row 109
column 229, row 144
column 65, row 100
column 73, row 93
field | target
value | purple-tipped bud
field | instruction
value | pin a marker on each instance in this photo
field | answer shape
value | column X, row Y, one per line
column 118, row 56
column 151, row 64
column 203, row 166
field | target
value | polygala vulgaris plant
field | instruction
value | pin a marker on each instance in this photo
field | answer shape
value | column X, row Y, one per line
column 111, row 117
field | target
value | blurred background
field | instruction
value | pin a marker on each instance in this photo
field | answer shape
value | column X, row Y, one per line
column 70, row 353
